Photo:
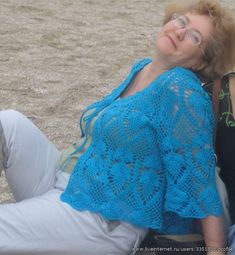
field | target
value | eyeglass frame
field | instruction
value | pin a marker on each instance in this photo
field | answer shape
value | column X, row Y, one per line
column 175, row 17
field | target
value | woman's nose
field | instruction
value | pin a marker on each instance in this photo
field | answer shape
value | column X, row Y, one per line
column 181, row 32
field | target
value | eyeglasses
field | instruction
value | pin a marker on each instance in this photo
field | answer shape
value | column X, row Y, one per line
column 181, row 21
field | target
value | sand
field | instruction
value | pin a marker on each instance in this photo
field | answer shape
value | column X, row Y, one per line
column 58, row 56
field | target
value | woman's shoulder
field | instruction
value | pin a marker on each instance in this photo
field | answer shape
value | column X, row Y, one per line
column 180, row 86
column 184, row 73
column 186, row 81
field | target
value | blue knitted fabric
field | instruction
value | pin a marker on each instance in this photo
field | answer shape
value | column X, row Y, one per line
column 151, row 160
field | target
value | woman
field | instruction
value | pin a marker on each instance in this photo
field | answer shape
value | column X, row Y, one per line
column 225, row 140
column 146, row 156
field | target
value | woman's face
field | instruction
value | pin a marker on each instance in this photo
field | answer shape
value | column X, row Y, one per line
column 182, row 41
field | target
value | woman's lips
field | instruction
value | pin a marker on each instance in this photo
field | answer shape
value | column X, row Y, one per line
column 172, row 41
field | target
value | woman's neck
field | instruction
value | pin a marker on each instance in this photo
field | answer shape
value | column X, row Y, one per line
column 158, row 66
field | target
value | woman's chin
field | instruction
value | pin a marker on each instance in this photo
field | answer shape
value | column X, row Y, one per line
column 164, row 46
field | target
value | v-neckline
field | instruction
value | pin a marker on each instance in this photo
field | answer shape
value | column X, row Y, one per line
column 133, row 76
column 135, row 84
column 146, row 88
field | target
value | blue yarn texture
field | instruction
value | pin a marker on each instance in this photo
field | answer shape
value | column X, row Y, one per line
column 151, row 159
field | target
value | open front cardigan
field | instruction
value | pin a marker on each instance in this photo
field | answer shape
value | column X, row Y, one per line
column 151, row 160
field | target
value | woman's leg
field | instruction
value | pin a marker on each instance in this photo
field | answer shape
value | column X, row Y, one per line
column 29, row 158
column 45, row 225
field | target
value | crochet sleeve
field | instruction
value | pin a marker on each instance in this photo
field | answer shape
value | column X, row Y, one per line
column 185, row 127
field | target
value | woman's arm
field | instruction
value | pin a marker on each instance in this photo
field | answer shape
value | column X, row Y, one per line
column 213, row 231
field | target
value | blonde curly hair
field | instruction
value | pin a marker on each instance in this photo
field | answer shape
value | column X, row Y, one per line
column 220, row 52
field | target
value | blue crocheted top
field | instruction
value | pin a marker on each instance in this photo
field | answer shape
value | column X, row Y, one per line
column 151, row 160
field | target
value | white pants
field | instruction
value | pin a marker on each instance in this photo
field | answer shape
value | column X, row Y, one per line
column 39, row 223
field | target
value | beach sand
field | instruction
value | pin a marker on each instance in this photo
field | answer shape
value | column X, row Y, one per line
column 58, row 56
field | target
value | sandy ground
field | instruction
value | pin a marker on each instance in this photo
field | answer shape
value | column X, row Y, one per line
column 58, row 56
